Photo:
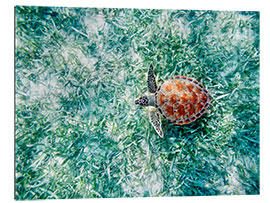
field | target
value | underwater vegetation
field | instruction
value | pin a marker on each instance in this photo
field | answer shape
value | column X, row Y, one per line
column 78, row 131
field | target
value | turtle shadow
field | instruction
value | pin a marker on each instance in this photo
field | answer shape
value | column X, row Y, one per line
column 180, row 140
column 187, row 131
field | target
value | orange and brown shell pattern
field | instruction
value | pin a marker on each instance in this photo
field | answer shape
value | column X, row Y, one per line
column 182, row 100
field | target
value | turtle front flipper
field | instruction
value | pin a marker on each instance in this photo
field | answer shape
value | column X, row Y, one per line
column 151, row 80
column 156, row 122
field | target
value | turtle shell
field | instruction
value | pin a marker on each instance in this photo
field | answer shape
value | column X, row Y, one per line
column 182, row 100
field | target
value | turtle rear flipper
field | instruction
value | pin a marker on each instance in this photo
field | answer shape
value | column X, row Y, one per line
column 156, row 122
column 151, row 80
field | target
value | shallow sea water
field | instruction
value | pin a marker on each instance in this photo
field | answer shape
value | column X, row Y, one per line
column 80, row 135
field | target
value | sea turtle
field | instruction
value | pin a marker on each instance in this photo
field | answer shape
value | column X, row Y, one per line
column 179, row 99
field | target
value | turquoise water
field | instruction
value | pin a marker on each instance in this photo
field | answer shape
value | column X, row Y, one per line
column 80, row 135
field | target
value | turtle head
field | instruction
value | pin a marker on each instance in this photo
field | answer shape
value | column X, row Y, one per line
column 142, row 101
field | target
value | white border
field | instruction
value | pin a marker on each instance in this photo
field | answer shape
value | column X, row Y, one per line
column 7, row 91
column 244, row 5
